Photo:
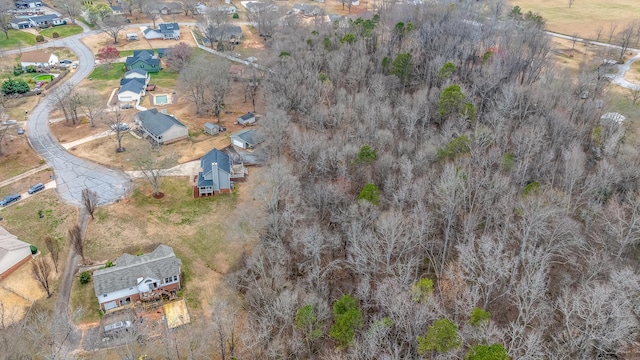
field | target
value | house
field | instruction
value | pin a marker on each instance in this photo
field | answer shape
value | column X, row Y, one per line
column 117, row 10
column 137, row 74
column 25, row 4
column 13, row 253
column 38, row 58
column 44, row 21
column 246, row 139
column 217, row 174
column 165, row 31
column 229, row 33
column 306, row 10
column 257, row 7
column 131, row 89
column 168, row 8
column 132, row 36
column 143, row 59
column 20, row 23
column 228, row 9
column 138, row 278
column 211, row 129
column 160, row 127
column 247, row 119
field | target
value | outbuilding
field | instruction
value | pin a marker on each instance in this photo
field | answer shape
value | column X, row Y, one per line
column 211, row 129
column 247, row 119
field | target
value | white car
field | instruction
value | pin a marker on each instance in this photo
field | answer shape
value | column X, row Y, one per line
column 122, row 126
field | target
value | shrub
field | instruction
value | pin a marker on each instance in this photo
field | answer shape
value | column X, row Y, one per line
column 441, row 336
column 55, row 35
column 34, row 250
column 17, row 70
column 479, row 316
column 12, row 86
column 109, row 264
column 31, row 69
column 367, row 155
column 85, row 277
column 370, row 193
column 236, row 16
column 347, row 318
column 40, row 38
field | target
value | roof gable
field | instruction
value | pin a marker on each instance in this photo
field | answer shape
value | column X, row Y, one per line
column 35, row 56
column 215, row 156
column 133, row 85
column 156, row 122
column 131, row 73
column 249, row 136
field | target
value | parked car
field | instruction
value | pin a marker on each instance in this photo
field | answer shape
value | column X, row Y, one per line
column 35, row 188
column 10, row 199
column 20, row 131
column 66, row 61
column 122, row 126
column 74, row 65
column 116, row 327
column 126, row 106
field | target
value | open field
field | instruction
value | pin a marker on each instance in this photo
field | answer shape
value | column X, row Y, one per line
column 63, row 31
column 113, row 71
column 585, row 17
column 95, row 42
column 17, row 156
column 16, row 39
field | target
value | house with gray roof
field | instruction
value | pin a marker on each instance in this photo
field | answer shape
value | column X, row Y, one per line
column 165, row 31
column 160, row 127
column 44, row 21
column 246, row 139
column 306, row 9
column 247, row 119
column 217, row 174
column 131, row 89
column 13, row 253
column 20, row 23
column 137, row 74
column 135, row 278
column 231, row 33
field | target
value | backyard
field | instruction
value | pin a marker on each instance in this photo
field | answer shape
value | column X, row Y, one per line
column 63, row 31
column 17, row 39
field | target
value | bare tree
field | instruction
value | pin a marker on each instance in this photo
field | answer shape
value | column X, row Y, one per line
column 70, row 8
column 218, row 85
column 89, row 200
column 627, row 37
column 633, row 95
column 112, row 25
column 206, row 81
column 76, row 239
column 69, row 102
column 119, row 127
column 224, row 324
column 151, row 11
column 3, row 132
column 194, row 83
column 251, row 86
column 93, row 106
column 178, row 56
column 154, row 165
column 571, row 2
column 40, row 269
column 54, row 249
column 5, row 16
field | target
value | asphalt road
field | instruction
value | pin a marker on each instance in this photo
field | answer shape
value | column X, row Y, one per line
column 71, row 173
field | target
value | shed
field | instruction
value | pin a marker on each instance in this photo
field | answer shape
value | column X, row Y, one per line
column 132, row 36
column 211, row 129
column 246, row 139
column 247, row 119
column 13, row 253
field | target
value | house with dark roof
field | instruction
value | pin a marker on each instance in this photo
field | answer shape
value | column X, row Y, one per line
column 165, row 31
column 137, row 74
column 160, row 127
column 217, row 174
column 13, row 253
column 131, row 89
column 138, row 278
column 144, row 60
column 306, row 9
column 246, row 139
column 162, row 52
column 117, row 10
column 226, row 32
column 20, row 23
column 247, row 119
column 24, row 4
column 44, row 21
column 166, row 8
column 38, row 58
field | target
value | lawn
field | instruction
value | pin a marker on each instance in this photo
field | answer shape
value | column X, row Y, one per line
column 114, row 72
column 63, row 31
column 164, row 78
column 83, row 298
column 585, row 17
column 17, row 39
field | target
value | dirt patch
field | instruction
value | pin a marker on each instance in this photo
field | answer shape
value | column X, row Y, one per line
column 633, row 74
column 17, row 156
column 18, row 291
column 95, row 42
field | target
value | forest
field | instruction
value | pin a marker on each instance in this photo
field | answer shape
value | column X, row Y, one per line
column 437, row 189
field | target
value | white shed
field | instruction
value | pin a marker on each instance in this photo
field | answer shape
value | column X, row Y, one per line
column 13, row 253
column 247, row 119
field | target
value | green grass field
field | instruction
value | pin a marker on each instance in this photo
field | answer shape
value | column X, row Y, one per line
column 63, row 31
column 164, row 78
column 585, row 17
column 115, row 72
column 16, row 39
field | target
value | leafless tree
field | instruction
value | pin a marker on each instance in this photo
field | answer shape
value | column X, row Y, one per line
column 41, row 269
column 119, row 127
column 207, row 82
column 93, row 107
column 627, row 37
column 69, row 102
column 633, row 95
column 89, row 200
column 153, row 165
column 54, row 249
column 5, row 16
column 251, row 86
column 224, row 327
column 70, row 8
column 76, row 239
column 213, row 23
column 188, row 6
column 194, row 83
column 178, row 56
column 3, row 132
column 151, row 11
column 219, row 82
column 571, row 2
column 112, row 25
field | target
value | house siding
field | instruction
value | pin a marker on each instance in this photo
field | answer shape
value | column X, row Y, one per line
column 6, row 271
column 134, row 293
column 174, row 133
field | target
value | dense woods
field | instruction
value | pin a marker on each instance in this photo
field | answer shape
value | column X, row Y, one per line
column 438, row 190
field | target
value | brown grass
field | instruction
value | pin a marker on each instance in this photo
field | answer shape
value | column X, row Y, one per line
column 585, row 17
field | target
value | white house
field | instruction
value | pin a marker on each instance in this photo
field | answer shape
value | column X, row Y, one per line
column 160, row 127
column 247, row 119
column 131, row 89
column 13, row 253
column 45, row 20
column 25, row 4
column 38, row 58
column 134, row 278
column 165, row 31
column 138, row 74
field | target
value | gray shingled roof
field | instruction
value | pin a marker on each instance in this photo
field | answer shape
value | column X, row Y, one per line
column 43, row 18
column 158, row 264
column 135, row 85
column 215, row 156
column 156, row 122
column 247, row 116
column 249, row 136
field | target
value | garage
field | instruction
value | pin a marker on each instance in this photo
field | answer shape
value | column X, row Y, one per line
column 110, row 305
column 238, row 143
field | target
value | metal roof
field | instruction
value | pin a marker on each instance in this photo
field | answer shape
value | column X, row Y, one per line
column 156, row 122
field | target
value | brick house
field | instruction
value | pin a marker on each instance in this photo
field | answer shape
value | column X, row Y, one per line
column 138, row 278
column 13, row 253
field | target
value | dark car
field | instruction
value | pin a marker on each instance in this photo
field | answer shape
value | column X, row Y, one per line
column 66, row 61
column 9, row 199
column 20, row 131
column 126, row 106
column 35, row 188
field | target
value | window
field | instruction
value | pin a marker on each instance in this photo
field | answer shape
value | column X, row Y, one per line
column 175, row 278
column 105, row 295
column 148, row 281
